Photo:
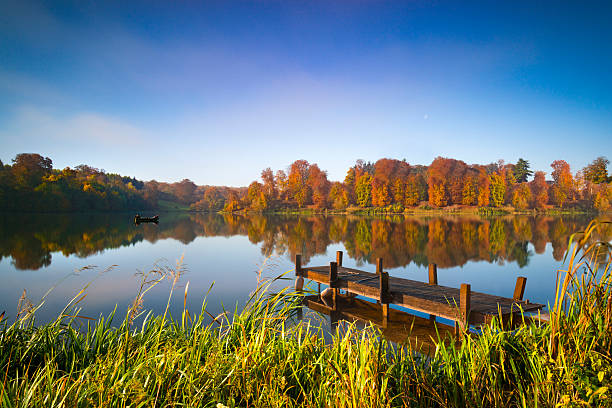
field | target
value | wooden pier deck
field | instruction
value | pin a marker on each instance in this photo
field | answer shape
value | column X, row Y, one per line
column 457, row 304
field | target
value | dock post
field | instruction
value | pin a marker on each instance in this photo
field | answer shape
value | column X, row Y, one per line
column 298, row 264
column 379, row 266
column 333, row 281
column 465, row 296
column 519, row 288
column 379, row 269
column 433, row 280
column 433, row 274
column 339, row 258
column 384, row 295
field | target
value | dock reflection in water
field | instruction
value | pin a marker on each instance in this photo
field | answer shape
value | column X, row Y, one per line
column 398, row 326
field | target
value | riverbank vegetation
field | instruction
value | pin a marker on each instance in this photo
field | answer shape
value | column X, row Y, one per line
column 386, row 186
column 262, row 357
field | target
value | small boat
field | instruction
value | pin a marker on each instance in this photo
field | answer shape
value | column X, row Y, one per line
column 138, row 219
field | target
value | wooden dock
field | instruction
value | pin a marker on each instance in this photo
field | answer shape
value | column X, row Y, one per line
column 462, row 306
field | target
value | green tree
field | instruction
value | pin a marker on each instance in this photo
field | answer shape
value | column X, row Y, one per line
column 338, row 196
column 498, row 189
column 363, row 190
column 521, row 170
column 597, row 171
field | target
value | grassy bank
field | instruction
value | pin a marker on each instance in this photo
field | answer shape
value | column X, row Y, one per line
column 257, row 357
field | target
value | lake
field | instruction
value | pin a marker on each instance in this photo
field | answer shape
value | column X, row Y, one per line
column 108, row 251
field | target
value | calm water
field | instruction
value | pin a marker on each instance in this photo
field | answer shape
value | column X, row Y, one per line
column 38, row 252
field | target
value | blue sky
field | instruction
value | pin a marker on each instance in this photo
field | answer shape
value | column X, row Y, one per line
column 216, row 91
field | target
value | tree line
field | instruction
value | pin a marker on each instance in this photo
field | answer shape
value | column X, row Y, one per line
column 31, row 183
column 395, row 185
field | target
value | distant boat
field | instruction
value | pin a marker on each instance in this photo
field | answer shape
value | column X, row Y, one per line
column 138, row 219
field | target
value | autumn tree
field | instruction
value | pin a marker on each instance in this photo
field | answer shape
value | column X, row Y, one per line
column 280, row 180
column 29, row 169
column 507, row 172
column 338, row 196
column 484, row 190
column 184, row 191
column 470, row 196
column 213, row 199
column 415, row 190
column 437, row 178
column 297, row 182
column 437, row 195
column 399, row 191
column 151, row 192
column 319, row 185
column 269, row 184
column 232, row 204
column 389, row 176
column 521, row 197
column 350, row 181
column 256, row 197
column 539, row 190
column 602, row 198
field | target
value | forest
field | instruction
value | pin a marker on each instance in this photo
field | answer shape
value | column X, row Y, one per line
column 31, row 183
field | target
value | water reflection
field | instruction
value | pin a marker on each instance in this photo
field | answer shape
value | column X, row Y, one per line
column 398, row 327
column 30, row 240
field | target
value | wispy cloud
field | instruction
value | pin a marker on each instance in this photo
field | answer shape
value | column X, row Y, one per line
column 34, row 123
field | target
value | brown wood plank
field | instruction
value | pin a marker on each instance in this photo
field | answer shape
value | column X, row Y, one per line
column 429, row 298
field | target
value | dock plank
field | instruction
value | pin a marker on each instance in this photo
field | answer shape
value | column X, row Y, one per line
column 424, row 297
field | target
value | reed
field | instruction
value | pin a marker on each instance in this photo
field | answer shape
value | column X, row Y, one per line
column 262, row 356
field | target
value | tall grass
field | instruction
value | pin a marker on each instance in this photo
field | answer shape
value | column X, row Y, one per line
column 260, row 356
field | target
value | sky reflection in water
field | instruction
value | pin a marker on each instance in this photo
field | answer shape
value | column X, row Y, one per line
column 38, row 251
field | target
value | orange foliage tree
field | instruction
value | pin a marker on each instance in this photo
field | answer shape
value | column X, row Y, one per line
column 297, row 182
column 563, row 182
column 319, row 185
column 483, row 188
column 521, row 197
column 539, row 190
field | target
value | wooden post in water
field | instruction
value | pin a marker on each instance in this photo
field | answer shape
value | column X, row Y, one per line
column 519, row 288
column 465, row 297
column 333, row 281
column 384, row 295
column 298, row 264
column 433, row 274
column 433, row 280
column 379, row 269
column 299, row 281
column 339, row 258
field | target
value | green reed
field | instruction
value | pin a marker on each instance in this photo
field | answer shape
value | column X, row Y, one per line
column 263, row 356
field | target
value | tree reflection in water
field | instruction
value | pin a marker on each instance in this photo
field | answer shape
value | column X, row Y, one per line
column 29, row 240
